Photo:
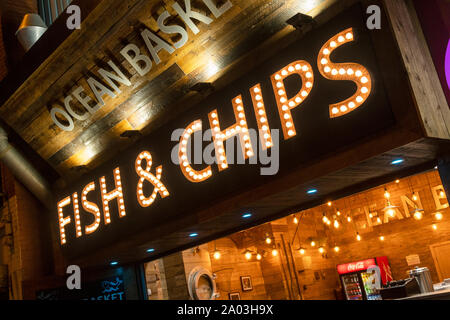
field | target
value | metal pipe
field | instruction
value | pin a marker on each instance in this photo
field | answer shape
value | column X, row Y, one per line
column 24, row 171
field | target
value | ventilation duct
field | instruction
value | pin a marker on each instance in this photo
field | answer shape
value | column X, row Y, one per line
column 30, row 30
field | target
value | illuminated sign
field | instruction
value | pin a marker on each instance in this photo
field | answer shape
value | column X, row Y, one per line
column 321, row 92
column 355, row 266
column 141, row 62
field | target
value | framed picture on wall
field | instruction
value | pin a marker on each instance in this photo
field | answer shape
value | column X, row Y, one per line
column 246, row 283
column 234, row 296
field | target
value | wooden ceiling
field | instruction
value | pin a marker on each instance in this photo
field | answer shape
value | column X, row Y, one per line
column 245, row 35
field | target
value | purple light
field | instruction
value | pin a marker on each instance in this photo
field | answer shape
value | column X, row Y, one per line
column 447, row 64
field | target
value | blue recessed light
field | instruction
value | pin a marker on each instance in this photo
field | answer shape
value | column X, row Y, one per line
column 193, row 235
column 150, row 250
column 246, row 215
column 311, row 191
column 114, row 263
column 397, row 161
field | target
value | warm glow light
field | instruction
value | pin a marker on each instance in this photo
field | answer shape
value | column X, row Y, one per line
column 248, row 255
column 295, row 220
column 304, row 70
column 414, row 197
column 381, row 238
column 344, row 71
column 397, row 181
column 329, row 203
column 438, row 216
column 442, row 194
column 268, row 240
column 301, row 251
column 114, row 194
column 387, row 195
column 258, row 257
column 336, row 224
column 313, row 243
column 418, row 215
column 239, row 128
column 434, row 227
column 145, row 175
column 391, row 212
column 217, row 255
column 90, row 207
column 261, row 117
column 336, row 249
column 191, row 174
column 274, row 252
column 358, row 237
column 349, row 219
column 338, row 213
column 63, row 221
column 321, row 250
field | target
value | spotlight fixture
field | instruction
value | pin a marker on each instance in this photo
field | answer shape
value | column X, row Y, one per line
column 130, row 134
column 202, row 87
column 300, row 20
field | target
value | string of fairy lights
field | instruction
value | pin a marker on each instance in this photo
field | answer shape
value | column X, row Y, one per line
column 336, row 220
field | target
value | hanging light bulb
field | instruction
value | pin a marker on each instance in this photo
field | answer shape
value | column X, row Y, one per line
column 295, row 220
column 324, row 218
column 258, row 257
column 442, row 194
column 418, row 214
column 328, row 222
column 387, row 195
column 378, row 220
column 336, row 249
column 313, row 243
column 268, row 240
column 381, row 238
column 336, row 224
column 391, row 213
column 338, row 213
column 302, row 251
column 397, row 181
column 414, row 196
column 349, row 219
column 321, row 249
column 274, row 252
column 434, row 227
column 329, row 203
column 248, row 255
column 370, row 215
column 438, row 216
column 217, row 255
column 358, row 237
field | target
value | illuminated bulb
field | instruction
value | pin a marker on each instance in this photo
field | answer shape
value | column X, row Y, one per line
column 434, row 227
column 274, row 252
column 302, row 251
column 313, row 243
column 381, row 238
column 378, row 220
column 324, row 218
column 328, row 222
column 268, row 240
column 349, row 219
column 438, row 216
column 341, row 39
column 327, row 69
column 329, row 203
column 324, row 61
column 336, row 224
column 414, row 197
column 358, row 237
column 295, row 220
column 418, row 215
column 258, row 257
column 387, row 195
column 391, row 213
column 336, row 249
column 321, row 250
column 442, row 194
column 397, row 181
column 338, row 213
column 248, row 255
column 217, row 255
